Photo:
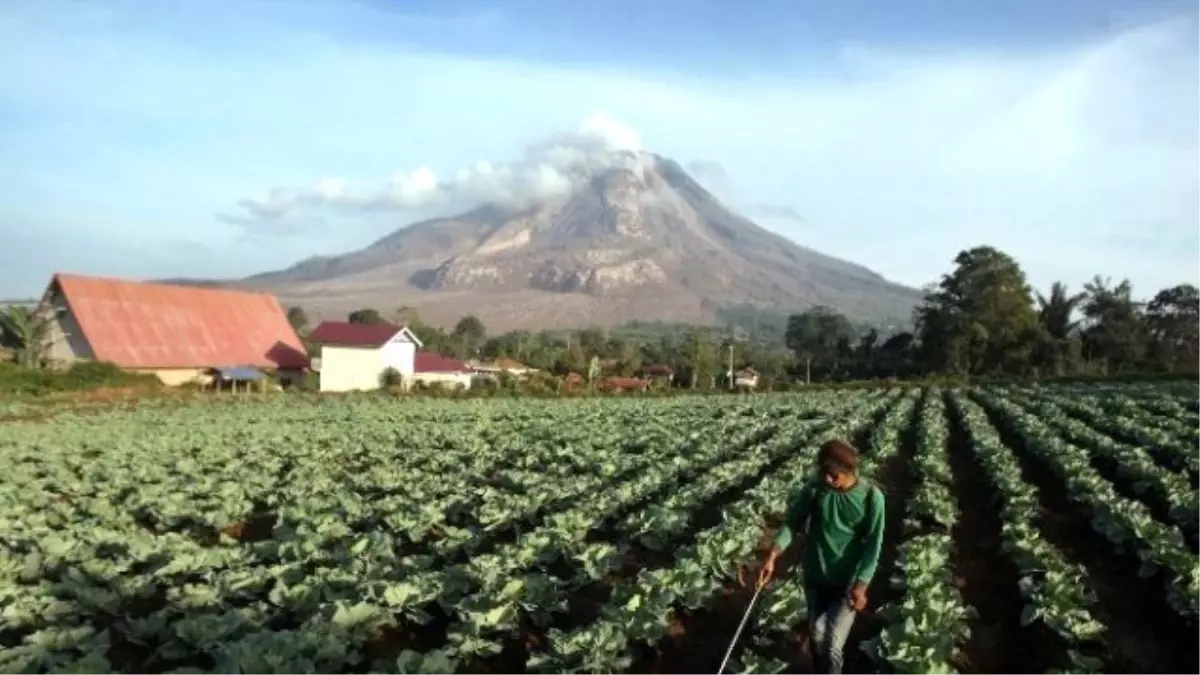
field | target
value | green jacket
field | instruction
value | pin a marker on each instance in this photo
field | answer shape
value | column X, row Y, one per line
column 845, row 533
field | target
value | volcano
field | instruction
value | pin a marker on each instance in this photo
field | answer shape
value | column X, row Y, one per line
column 638, row 239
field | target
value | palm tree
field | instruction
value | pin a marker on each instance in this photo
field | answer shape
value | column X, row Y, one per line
column 1115, row 325
column 26, row 333
column 1056, row 311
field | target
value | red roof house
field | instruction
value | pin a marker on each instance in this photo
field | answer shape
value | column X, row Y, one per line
column 363, row 356
column 432, row 362
column 160, row 327
column 346, row 334
column 431, row 368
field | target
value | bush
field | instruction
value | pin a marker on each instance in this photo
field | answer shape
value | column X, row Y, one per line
column 390, row 377
column 81, row 376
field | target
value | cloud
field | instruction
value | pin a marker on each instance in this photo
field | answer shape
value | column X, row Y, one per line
column 548, row 168
column 130, row 124
column 713, row 176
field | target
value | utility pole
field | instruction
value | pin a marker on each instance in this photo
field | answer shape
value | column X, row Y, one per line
column 731, row 365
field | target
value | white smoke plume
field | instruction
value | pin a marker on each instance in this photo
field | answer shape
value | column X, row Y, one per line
column 548, row 168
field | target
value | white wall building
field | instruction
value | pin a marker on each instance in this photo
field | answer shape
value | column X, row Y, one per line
column 354, row 356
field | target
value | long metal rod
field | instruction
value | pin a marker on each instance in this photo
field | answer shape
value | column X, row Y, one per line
column 741, row 626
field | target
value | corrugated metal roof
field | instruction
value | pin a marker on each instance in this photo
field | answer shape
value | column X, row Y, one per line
column 432, row 362
column 146, row 325
column 354, row 334
column 240, row 373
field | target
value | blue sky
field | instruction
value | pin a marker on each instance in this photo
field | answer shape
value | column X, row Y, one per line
column 222, row 138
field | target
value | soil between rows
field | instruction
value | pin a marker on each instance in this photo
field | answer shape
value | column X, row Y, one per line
column 986, row 576
column 1145, row 635
column 895, row 481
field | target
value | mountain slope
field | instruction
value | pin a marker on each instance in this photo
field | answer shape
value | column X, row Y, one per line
column 639, row 239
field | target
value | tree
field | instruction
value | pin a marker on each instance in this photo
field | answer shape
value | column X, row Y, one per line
column 468, row 336
column 894, row 357
column 819, row 334
column 365, row 315
column 298, row 318
column 980, row 317
column 1115, row 328
column 699, row 358
column 26, row 333
column 407, row 316
column 867, row 344
column 1173, row 323
column 432, row 337
column 1057, row 315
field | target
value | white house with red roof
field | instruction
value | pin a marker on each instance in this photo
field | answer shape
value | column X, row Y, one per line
column 355, row 357
column 433, row 368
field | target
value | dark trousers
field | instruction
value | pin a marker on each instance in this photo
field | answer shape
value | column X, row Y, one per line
column 829, row 620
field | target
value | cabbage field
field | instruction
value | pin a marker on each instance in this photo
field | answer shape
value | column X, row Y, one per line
column 1028, row 529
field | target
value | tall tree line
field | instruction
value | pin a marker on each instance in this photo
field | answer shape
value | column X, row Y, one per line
column 984, row 319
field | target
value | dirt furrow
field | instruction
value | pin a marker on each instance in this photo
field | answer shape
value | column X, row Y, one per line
column 1144, row 633
column 986, row 577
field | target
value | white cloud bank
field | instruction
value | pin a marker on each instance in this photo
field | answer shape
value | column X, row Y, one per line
column 551, row 167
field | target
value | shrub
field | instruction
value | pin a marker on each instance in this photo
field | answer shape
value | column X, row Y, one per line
column 81, row 376
column 390, row 377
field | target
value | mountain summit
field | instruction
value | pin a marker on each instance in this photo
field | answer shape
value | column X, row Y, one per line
column 637, row 238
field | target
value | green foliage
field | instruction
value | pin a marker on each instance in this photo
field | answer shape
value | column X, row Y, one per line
column 981, row 320
column 153, row 522
column 298, row 318
column 366, row 315
column 16, row 379
column 819, row 334
column 26, row 333
column 390, row 377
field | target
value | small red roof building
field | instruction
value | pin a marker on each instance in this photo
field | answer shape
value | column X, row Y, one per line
column 432, row 362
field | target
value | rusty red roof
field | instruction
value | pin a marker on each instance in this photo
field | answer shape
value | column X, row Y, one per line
column 625, row 382
column 138, row 324
column 432, row 362
column 346, row 334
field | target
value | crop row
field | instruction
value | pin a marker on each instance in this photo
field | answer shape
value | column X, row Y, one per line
column 326, row 577
column 1128, row 524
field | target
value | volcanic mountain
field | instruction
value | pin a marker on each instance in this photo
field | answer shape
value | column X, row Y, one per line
column 637, row 239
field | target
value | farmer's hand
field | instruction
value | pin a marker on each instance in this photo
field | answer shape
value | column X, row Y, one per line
column 768, row 569
column 857, row 597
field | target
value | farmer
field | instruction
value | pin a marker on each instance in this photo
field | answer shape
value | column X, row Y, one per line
column 844, row 514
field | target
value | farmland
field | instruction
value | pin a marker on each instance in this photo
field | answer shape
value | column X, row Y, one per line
column 1027, row 529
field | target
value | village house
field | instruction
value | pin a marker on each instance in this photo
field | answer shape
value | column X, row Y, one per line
column 746, row 378
column 622, row 384
column 659, row 374
column 433, row 368
column 356, row 356
column 181, row 334
column 501, row 366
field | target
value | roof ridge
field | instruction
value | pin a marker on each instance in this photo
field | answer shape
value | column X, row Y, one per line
column 160, row 284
